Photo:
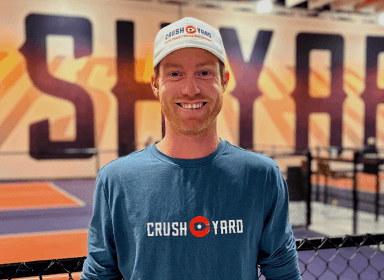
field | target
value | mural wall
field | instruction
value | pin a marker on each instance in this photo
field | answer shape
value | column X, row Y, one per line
column 75, row 75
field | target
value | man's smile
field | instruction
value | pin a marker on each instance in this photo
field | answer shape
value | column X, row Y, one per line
column 196, row 105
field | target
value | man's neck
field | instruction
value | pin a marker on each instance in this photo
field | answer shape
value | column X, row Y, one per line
column 188, row 147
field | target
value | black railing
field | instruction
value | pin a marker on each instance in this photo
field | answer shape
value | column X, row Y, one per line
column 357, row 157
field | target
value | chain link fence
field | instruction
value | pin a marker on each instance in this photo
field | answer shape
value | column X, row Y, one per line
column 348, row 257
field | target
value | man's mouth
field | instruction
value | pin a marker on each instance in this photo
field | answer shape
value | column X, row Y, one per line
column 196, row 105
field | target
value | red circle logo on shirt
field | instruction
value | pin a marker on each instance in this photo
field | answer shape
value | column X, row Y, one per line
column 191, row 29
column 199, row 221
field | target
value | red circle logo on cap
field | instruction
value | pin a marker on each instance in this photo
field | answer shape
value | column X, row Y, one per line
column 200, row 220
column 191, row 29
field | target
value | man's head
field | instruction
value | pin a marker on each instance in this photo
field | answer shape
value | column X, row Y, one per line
column 189, row 72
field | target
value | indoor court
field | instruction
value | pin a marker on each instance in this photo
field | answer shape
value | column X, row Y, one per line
column 306, row 87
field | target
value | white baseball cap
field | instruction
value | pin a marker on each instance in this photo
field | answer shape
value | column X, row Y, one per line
column 188, row 33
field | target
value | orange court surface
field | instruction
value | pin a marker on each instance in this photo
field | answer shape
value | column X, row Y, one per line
column 33, row 195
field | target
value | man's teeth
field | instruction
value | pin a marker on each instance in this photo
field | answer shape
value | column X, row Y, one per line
column 192, row 106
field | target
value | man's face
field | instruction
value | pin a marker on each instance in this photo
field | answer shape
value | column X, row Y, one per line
column 190, row 90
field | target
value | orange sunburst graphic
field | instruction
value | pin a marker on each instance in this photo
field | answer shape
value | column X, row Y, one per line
column 18, row 95
column 97, row 75
column 22, row 103
column 282, row 105
column 12, row 68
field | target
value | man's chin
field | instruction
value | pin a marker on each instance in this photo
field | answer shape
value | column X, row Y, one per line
column 193, row 131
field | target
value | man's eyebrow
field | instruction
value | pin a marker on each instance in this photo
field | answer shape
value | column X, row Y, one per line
column 176, row 65
column 207, row 63
column 172, row 65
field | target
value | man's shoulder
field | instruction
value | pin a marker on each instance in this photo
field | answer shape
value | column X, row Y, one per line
column 239, row 155
column 129, row 163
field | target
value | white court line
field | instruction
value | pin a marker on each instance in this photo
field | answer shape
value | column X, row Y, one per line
column 65, row 193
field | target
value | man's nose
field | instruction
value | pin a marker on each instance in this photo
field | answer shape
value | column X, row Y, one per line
column 190, row 87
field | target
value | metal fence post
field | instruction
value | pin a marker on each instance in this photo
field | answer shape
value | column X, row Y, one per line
column 318, row 175
column 309, row 184
column 377, row 198
column 355, row 201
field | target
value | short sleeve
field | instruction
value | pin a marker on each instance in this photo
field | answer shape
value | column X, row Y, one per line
column 277, row 252
column 101, row 262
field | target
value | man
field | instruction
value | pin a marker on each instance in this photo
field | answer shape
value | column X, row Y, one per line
column 191, row 206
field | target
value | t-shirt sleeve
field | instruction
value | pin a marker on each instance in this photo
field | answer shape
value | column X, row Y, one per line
column 101, row 262
column 277, row 252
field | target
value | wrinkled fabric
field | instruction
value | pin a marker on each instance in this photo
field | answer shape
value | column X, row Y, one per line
column 214, row 218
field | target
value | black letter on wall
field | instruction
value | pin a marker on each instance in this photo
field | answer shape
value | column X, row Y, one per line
column 333, row 104
column 38, row 27
column 247, row 76
column 372, row 95
column 127, row 90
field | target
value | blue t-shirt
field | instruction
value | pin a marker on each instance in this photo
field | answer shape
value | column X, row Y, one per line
column 215, row 218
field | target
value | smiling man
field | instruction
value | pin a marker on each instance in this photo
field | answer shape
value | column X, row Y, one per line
column 191, row 206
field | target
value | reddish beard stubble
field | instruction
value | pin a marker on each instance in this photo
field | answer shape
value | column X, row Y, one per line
column 192, row 126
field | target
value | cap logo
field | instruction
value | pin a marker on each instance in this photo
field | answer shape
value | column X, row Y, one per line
column 191, row 29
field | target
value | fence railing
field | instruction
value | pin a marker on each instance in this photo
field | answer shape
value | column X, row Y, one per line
column 312, row 156
column 327, row 258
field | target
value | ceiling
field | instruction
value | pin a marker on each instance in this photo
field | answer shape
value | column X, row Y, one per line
column 349, row 6
column 310, row 7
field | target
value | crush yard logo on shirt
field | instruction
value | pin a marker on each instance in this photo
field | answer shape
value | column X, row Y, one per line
column 198, row 226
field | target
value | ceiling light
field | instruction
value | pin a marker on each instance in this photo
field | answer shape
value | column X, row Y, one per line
column 264, row 6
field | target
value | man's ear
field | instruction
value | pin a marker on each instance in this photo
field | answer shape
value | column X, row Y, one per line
column 226, row 80
column 154, row 86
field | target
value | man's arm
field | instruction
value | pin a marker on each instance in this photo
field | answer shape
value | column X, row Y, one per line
column 101, row 262
column 277, row 256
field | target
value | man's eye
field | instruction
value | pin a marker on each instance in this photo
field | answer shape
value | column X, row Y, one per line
column 205, row 73
column 175, row 74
